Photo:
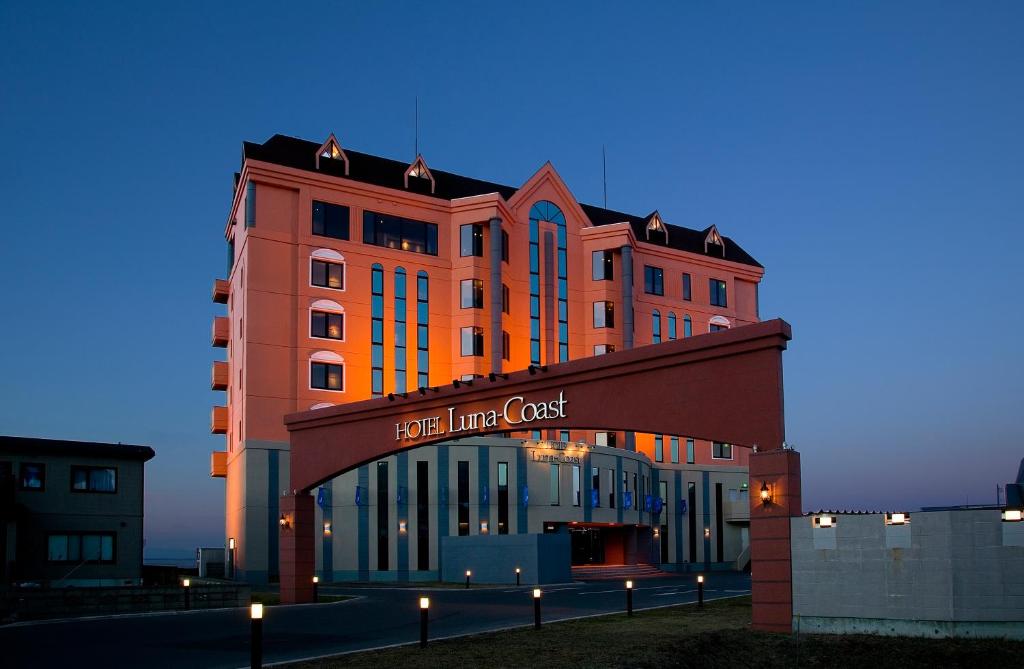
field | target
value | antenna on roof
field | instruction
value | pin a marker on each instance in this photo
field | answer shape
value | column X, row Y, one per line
column 416, row 147
column 604, row 175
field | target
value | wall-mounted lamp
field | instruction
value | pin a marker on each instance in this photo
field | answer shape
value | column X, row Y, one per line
column 824, row 521
column 766, row 494
column 231, row 543
column 1012, row 515
column 403, row 527
column 707, row 532
column 283, row 521
column 186, row 582
column 657, row 532
column 897, row 518
column 483, row 527
column 327, row 529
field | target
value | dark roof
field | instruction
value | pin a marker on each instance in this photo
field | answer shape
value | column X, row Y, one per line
column 363, row 167
column 34, row 446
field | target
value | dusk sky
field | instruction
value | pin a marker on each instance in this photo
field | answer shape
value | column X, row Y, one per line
column 869, row 155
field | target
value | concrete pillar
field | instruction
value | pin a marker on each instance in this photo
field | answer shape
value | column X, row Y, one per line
column 496, row 339
column 627, row 318
column 298, row 549
column 771, row 572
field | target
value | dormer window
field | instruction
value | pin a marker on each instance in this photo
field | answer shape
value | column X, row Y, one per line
column 419, row 170
column 713, row 242
column 656, row 231
column 331, row 150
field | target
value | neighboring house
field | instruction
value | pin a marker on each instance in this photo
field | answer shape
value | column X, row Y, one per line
column 71, row 512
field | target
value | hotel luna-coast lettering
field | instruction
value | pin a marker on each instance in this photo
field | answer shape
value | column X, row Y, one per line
column 515, row 411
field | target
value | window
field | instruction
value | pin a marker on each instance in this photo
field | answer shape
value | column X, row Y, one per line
column 327, row 325
column 328, row 275
column 83, row 547
column 689, row 451
column 687, row 289
column 721, row 451
column 554, row 491
column 401, row 355
column 604, row 314
column 422, row 336
column 504, row 246
column 463, row 492
column 674, row 450
column 506, row 346
column 671, row 326
column 563, row 435
column 472, row 293
column 394, row 232
column 330, row 220
column 656, row 327
column 534, row 292
column 377, row 330
column 32, row 476
column 654, row 280
column 715, row 327
column 383, row 515
column 502, row 498
column 595, row 484
column 472, row 341
column 718, row 298
column 576, row 482
column 602, row 266
column 93, row 479
column 326, row 376
column 505, row 300
column 659, row 448
column 471, row 240
column 611, row 488
column 601, row 349
column 422, row 515
column 605, row 439
column 687, row 327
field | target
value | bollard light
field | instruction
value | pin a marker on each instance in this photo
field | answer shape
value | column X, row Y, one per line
column 186, row 582
column 629, row 598
column 424, row 618
column 518, row 572
column 188, row 593
column 256, row 635
column 700, row 591
column 468, row 574
column 231, row 543
column 316, row 589
column 536, row 608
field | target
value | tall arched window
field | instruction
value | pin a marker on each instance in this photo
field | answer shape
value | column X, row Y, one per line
column 656, row 327
column 687, row 326
column 422, row 338
column 377, row 330
column 671, row 325
column 400, row 331
column 545, row 210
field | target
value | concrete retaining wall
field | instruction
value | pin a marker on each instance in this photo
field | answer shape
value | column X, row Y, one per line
column 543, row 558
column 945, row 573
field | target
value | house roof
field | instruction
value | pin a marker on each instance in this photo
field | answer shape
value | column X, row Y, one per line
column 363, row 167
column 31, row 446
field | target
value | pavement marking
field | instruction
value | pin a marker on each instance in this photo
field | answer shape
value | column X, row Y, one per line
column 670, row 594
column 343, row 653
column 653, row 587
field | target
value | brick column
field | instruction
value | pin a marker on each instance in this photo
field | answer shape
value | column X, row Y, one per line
column 298, row 550
column 771, row 572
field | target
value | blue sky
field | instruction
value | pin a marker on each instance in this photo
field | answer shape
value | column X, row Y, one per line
column 868, row 154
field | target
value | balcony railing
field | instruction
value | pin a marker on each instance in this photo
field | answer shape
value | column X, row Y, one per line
column 220, row 291
column 219, row 377
column 219, row 420
column 221, row 331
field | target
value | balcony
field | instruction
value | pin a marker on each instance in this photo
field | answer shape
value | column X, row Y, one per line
column 219, row 420
column 221, row 331
column 737, row 512
column 219, row 377
column 219, row 464
column 220, row 291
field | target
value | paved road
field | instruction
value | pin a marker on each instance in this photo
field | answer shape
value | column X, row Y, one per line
column 378, row 617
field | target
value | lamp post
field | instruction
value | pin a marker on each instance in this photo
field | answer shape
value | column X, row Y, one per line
column 424, row 617
column 700, row 591
column 518, row 572
column 468, row 574
column 186, row 583
column 256, row 636
column 536, row 608
column 316, row 589
column 629, row 598
column 231, row 558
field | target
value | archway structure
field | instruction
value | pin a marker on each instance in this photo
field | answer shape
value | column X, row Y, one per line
column 726, row 387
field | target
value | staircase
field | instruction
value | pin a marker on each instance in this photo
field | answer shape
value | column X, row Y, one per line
column 615, row 572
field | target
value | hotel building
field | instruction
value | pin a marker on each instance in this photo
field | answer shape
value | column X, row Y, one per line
column 352, row 276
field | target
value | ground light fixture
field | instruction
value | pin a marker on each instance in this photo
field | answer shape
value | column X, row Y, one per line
column 518, row 573
column 468, row 574
column 629, row 598
column 897, row 518
column 316, row 589
column 766, row 494
column 187, row 583
column 1012, row 515
column 424, row 619
column 700, row 591
column 536, row 608
column 256, row 635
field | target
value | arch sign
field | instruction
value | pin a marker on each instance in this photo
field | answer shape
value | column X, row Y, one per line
column 725, row 386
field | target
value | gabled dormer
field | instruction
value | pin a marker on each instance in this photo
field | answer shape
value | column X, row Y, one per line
column 714, row 241
column 656, row 230
column 419, row 170
column 331, row 150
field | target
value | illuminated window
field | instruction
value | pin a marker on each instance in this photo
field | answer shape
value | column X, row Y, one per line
column 327, row 274
column 604, row 314
column 422, row 335
column 471, row 240
column 377, row 330
column 472, row 341
column 720, row 451
column 326, row 325
column 93, row 479
column 326, row 376
column 601, row 349
column 32, row 476
column 602, row 266
column 395, row 232
column 717, row 290
column 472, row 293
column 576, row 485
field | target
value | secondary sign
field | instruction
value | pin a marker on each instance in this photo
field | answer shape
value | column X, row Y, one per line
column 514, row 411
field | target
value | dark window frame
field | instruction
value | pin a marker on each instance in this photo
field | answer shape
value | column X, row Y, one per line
column 506, row 299
column 475, row 240
column 406, row 227
column 327, row 376
column 80, row 535
column 88, row 480
column 327, row 274
column 326, row 323
column 323, row 220
column 721, row 448
column 687, row 287
column 718, row 293
column 477, row 294
column 477, row 342
column 504, row 246
column 654, row 280
column 602, row 265
column 42, row 478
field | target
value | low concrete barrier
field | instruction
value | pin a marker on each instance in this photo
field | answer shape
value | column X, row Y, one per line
column 543, row 558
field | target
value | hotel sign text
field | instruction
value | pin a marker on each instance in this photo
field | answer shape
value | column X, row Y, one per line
column 515, row 411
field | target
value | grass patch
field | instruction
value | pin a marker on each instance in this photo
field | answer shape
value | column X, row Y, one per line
column 682, row 636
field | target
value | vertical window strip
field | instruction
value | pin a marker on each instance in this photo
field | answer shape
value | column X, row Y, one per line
column 377, row 330
column 422, row 332
column 400, row 331
column 656, row 327
column 534, row 291
column 548, row 211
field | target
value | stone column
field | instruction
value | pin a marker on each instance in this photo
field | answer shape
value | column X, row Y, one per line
column 771, row 572
column 496, row 329
column 298, row 550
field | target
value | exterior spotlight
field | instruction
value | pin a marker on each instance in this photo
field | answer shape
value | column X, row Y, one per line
column 423, row 391
column 283, row 521
column 456, row 383
column 766, row 494
column 657, row 532
column 897, row 518
column 824, row 521
column 491, row 377
column 536, row 608
column 483, row 527
column 1012, row 515
column 256, row 635
column 187, row 582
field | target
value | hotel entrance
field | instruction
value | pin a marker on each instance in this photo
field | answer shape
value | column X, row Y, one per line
column 594, row 544
column 587, row 545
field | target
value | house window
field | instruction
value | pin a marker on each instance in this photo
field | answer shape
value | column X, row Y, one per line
column 330, row 220
column 377, row 330
column 721, row 451
column 472, row 341
column 554, row 491
column 671, row 326
column 326, row 376
column 504, row 246
column 601, row 349
column 656, row 327
column 715, row 327
column 717, row 288
column 576, row 480
column 394, row 232
column 502, row 498
column 689, row 451
column 472, row 294
column 471, row 240
column 463, row 497
column 659, row 448
column 605, row 439
column 327, row 325
column 687, row 289
column 674, row 450
column 506, row 346
column 687, row 326
column 604, row 314
column 93, row 479
column 32, row 476
column 563, row 435
column 602, row 266
column 595, row 483
column 654, row 280
column 85, row 547
column 328, row 275
column 505, row 300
